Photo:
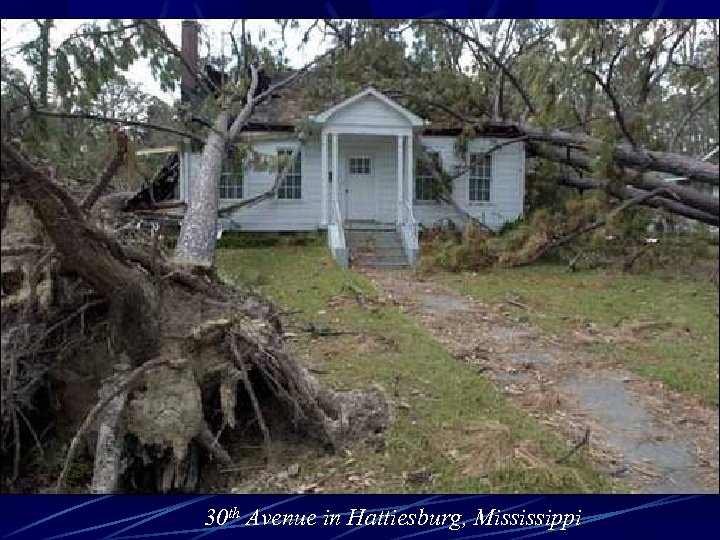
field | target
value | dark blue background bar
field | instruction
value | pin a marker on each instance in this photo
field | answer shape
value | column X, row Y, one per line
column 359, row 8
column 183, row 517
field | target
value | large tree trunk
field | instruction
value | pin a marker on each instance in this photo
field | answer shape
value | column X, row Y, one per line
column 686, row 201
column 44, row 72
column 196, row 245
column 198, row 233
column 625, row 155
column 91, row 254
column 625, row 192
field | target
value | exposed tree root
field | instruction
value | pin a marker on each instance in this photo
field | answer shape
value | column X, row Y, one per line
column 200, row 350
column 118, row 391
column 253, row 398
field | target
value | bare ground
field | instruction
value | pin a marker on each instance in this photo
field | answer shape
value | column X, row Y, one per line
column 635, row 430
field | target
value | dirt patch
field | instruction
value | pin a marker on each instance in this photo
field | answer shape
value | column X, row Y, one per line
column 656, row 439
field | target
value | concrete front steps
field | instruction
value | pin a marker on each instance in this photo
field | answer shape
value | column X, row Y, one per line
column 375, row 247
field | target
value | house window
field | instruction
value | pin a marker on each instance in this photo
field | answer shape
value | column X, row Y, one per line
column 426, row 188
column 231, row 179
column 291, row 186
column 359, row 165
column 480, row 177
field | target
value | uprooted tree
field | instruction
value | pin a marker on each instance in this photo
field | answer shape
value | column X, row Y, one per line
column 184, row 358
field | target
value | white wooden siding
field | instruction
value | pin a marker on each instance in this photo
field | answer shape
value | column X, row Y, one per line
column 368, row 111
column 274, row 214
column 507, row 188
column 428, row 213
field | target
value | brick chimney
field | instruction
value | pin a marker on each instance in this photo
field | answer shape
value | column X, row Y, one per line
column 189, row 49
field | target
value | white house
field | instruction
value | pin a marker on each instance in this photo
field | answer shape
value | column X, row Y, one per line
column 356, row 170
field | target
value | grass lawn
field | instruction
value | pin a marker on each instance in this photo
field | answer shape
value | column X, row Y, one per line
column 450, row 422
column 681, row 350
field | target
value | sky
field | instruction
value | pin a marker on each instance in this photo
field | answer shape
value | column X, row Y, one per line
column 214, row 38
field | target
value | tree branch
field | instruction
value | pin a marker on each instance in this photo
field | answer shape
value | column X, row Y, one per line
column 121, row 150
column 252, row 201
column 689, row 116
column 615, row 105
column 110, row 120
column 638, row 199
column 252, row 101
column 495, row 60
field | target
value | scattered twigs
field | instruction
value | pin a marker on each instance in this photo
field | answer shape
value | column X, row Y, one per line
column 517, row 304
column 360, row 297
column 317, row 331
column 585, row 441
column 121, row 388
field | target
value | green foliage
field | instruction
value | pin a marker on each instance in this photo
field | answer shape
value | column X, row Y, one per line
column 82, row 64
column 524, row 240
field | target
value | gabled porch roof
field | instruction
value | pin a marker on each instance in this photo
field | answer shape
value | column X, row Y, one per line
column 412, row 119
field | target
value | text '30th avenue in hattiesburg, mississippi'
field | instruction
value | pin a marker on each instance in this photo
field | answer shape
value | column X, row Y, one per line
column 356, row 517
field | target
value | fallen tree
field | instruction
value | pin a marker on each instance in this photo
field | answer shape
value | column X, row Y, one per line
column 624, row 155
column 680, row 200
column 671, row 202
column 637, row 168
column 186, row 354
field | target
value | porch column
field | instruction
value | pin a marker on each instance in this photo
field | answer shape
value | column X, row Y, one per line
column 399, row 178
column 324, row 177
column 409, row 168
column 335, row 175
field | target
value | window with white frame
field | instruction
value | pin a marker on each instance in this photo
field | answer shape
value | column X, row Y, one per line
column 480, row 177
column 425, row 182
column 231, row 179
column 291, row 186
column 359, row 165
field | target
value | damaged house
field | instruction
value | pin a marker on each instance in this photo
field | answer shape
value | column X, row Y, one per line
column 360, row 172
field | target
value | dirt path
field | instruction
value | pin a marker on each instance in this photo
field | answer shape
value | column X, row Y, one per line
column 654, row 438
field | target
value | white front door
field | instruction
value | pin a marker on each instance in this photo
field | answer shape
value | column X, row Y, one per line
column 360, row 200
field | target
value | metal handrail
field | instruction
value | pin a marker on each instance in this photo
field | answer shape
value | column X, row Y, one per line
column 408, row 221
column 408, row 229
column 337, row 222
column 336, row 235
